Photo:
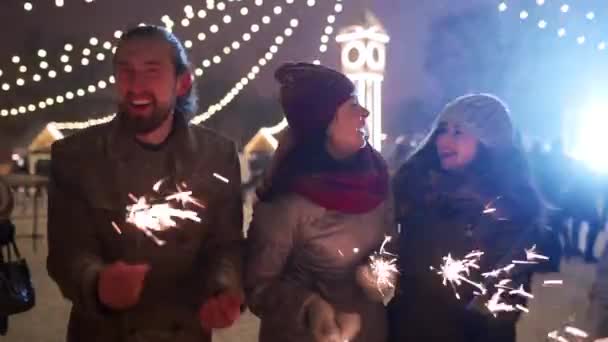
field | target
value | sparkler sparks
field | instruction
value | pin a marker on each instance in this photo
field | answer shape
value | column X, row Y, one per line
column 384, row 267
column 455, row 272
column 531, row 255
column 222, row 178
column 116, row 228
column 496, row 273
column 159, row 214
column 489, row 207
column 567, row 333
column 496, row 305
column 548, row 283
column 576, row 332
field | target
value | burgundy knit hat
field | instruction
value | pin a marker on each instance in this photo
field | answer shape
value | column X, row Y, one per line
column 311, row 95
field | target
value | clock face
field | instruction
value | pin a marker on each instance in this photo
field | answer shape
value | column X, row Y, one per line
column 364, row 55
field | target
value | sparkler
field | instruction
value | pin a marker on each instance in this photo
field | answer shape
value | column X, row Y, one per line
column 384, row 267
column 455, row 272
column 496, row 303
column 531, row 255
column 548, row 283
column 496, row 273
column 567, row 333
column 521, row 292
column 159, row 214
column 222, row 178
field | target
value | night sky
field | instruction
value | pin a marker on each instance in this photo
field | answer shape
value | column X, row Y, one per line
column 407, row 21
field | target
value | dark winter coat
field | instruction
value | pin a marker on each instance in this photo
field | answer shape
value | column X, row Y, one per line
column 441, row 214
column 92, row 174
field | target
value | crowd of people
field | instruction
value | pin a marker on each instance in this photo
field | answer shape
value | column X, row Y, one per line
column 326, row 205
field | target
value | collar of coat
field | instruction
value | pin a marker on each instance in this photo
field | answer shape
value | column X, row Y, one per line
column 182, row 144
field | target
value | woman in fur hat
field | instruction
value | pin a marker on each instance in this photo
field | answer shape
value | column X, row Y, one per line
column 323, row 212
column 466, row 189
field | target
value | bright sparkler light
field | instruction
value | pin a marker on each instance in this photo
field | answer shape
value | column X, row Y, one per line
column 159, row 215
column 496, row 273
column 548, row 283
column 495, row 305
column 222, row 178
column 531, row 255
column 568, row 333
column 455, row 272
column 521, row 292
column 384, row 267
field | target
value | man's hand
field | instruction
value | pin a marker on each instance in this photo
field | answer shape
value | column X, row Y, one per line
column 221, row 311
column 120, row 285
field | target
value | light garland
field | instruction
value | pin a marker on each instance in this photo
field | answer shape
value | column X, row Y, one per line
column 325, row 37
column 561, row 31
column 239, row 86
column 28, row 6
column 102, row 48
column 92, row 88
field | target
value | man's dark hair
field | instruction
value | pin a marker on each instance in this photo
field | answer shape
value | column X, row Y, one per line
column 185, row 105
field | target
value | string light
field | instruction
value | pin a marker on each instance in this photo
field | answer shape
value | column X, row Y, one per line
column 216, row 59
column 94, row 41
column 564, row 9
column 236, row 89
column 199, row 72
column 244, row 81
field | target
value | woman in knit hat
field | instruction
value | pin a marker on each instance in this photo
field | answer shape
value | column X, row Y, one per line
column 322, row 213
column 466, row 189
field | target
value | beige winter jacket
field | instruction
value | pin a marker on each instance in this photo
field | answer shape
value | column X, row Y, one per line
column 296, row 249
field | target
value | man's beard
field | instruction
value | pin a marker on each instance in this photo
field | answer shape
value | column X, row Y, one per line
column 141, row 125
